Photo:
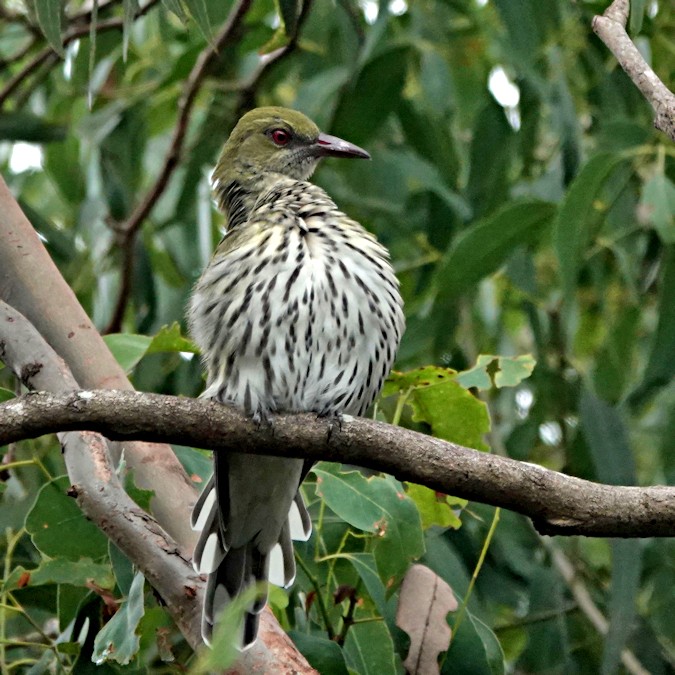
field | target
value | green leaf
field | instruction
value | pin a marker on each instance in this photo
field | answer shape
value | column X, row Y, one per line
column 509, row 371
column 199, row 12
column 141, row 496
column 118, row 640
column 440, row 401
column 661, row 365
column 123, row 570
column 658, row 202
column 48, row 13
column 377, row 504
column 381, row 80
column 626, row 570
column 62, row 571
column 130, row 9
column 578, row 216
column 52, row 515
column 176, row 7
column 474, row 650
column 484, row 247
column 369, row 649
column 435, row 508
column 288, row 11
column 24, row 126
column 322, row 654
column 637, row 12
column 605, row 432
column 128, row 349
column 6, row 395
column 169, row 339
column 366, row 568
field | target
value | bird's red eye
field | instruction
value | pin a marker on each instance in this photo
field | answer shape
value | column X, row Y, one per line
column 280, row 136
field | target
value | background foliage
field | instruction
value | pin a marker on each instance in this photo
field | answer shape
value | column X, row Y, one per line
column 528, row 206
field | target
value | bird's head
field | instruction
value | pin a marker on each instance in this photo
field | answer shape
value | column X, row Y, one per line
column 278, row 140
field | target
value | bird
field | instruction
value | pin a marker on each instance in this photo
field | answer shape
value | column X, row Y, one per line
column 299, row 310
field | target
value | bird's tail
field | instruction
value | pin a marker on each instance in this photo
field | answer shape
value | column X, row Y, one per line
column 233, row 570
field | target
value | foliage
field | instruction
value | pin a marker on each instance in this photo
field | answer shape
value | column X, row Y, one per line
column 540, row 226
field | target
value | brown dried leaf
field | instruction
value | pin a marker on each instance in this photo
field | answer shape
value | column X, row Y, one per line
column 423, row 604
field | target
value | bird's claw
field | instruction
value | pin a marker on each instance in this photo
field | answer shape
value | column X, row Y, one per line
column 335, row 421
column 262, row 418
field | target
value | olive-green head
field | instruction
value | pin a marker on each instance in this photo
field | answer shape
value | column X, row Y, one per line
column 277, row 140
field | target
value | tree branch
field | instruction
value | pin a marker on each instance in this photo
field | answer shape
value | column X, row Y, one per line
column 556, row 503
column 611, row 29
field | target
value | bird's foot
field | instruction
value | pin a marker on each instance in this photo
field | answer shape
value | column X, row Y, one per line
column 262, row 418
column 335, row 422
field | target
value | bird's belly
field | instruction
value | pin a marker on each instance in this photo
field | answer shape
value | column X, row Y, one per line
column 311, row 340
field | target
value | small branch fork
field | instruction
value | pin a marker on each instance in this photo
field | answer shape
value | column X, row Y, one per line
column 611, row 29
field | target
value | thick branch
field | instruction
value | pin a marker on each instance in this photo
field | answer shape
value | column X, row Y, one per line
column 556, row 503
column 611, row 29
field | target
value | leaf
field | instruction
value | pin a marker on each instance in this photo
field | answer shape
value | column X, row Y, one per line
column 369, row 649
column 480, row 250
column 510, row 371
column 626, row 570
column 53, row 514
column 176, row 7
column 288, row 11
column 423, row 605
column 435, row 508
column 439, row 400
column 658, row 202
column 118, row 640
column 130, row 9
column 128, row 349
column 377, row 504
column 62, row 571
column 169, row 339
column 199, row 12
column 577, row 217
column 6, row 395
column 605, row 432
column 24, row 126
column 48, row 13
column 141, row 496
column 381, row 79
column 475, row 650
column 324, row 655
column 366, row 568
column 661, row 364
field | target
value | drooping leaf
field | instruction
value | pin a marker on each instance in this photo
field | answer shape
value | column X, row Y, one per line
column 177, row 8
column 130, row 9
column 658, row 202
column 199, row 12
column 474, row 650
column 509, row 371
column 369, row 649
column 48, row 13
column 423, row 604
column 25, row 126
column 118, row 641
column 485, row 246
column 578, row 215
column 288, row 11
column 6, row 395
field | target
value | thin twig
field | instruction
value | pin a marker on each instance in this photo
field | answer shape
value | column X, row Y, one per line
column 611, row 29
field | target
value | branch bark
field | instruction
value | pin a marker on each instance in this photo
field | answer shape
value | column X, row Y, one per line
column 611, row 29
column 556, row 503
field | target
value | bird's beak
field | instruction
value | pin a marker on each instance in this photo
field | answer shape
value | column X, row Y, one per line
column 331, row 146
